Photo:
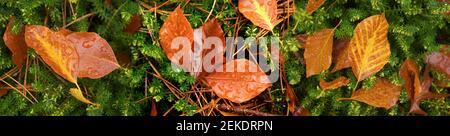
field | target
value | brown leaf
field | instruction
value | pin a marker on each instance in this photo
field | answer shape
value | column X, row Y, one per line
column 64, row 31
column 384, row 94
column 55, row 49
column 262, row 13
column 154, row 111
column 440, row 62
column 369, row 48
column 15, row 43
column 3, row 91
column 313, row 5
column 206, row 38
column 340, row 55
column 445, row 50
column 416, row 90
column 443, row 84
column 228, row 113
column 134, row 25
column 240, row 81
column 301, row 111
column 176, row 25
column 290, row 92
column 339, row 82
column 318, row 49
column 96, row 58
column 79, row 96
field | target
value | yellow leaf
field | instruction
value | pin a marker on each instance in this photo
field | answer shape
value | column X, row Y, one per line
column 79, row 96
column 369, row 48
column 262, row 13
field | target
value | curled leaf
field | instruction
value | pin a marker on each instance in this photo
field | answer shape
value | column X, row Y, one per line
column 384, row 94
column 176, row 37
column 96, row 57
column 313, row 5
column 134, row 25
column 340, row 55
column 15, row 43
column 79, row 96
column 262, row 13
column 240, row 81
column 369, row 48
column 55, row 49
column 339, row 82
column 318, row 49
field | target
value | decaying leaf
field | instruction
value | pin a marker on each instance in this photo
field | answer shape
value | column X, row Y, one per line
column 318, row 51
column 262, row 13
column 79, row 96
column 55, row 49
column 96, row 57
column 206, row 39
column 313, row 5
column 240, row 81
column 339, row 82
column 15, row 43
column 417, row 91
column 134, row 24
column 340, row 55
column 176, row 37
column 384, row 94
column 440, row 62
column 369, row 48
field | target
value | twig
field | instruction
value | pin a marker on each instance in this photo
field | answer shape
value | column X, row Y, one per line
column 212, row 8
column 79, row 19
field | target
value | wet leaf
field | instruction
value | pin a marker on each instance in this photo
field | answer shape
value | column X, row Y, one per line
column 262, row 13
column 79, row 96
column 240, row 81
column 439, row 62
column 369, row 48
column 177, row 30
column 384, row 94
column 134, row 24
column 207, row 40
column 96, row 57
column 318, row 49
column 64, row 31
column 15, row 43
column 340, row 55
column 313, row 5
column 339, row 82
column 55, row 49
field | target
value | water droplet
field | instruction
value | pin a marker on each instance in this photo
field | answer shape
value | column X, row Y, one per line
column 87, row 44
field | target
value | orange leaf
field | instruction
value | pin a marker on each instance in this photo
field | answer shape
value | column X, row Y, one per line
column 64, row 31
column 339, row 82
column 318, row 49
column 417, row 91
column 313, row 5
column 384, row 94
column 238, row 83
column 55, row 49
column 262, row 13
column 206, row 38
column 3, row 91
column 15, row 43
column 440, row 62
column 79, row 96
column 154, row 111
column 96, row 58
column 177, row 30
column 340, row 55
column 369, row 48
column 134, row 25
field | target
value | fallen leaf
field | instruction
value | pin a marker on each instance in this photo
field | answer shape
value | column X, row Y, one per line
column 340, row 55
column 64, row 31
column 318, row 51
column 96, row 57
column 417, row 91
column 79, row 96
column 134, row 25
column 339, row 82
column 384, row 94
column 262, row 13
column 207, row 40
column 290, row 92
column 313, row 5
column 439, row 62
column 55, row 49
column 240, row 81
column 443, row 84
column 301, row 111
column 3, row 91
column 228, row 113
column 369, row 48
column 445, row 50
column 154, row 111
column 15, row 43
column 177, row 31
